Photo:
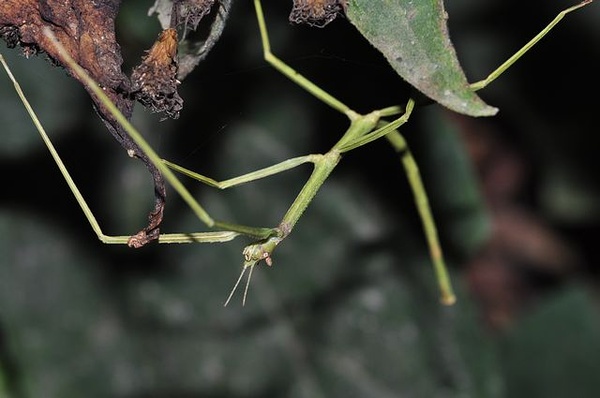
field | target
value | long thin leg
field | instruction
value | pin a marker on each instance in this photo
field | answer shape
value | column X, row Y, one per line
column 508, row 63
column 249, row 177
column 291, row 73
column 422, row 203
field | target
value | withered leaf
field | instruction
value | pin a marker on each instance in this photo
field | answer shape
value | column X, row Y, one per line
column 185, row 16
column 154, row 82
column 191, row 12
column 316, row 13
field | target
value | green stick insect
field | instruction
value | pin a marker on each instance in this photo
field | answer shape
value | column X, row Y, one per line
column 362, row 130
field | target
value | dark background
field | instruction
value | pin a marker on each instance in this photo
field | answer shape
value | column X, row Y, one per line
column 350, row 307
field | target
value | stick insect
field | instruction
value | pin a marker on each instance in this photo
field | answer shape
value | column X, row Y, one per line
column 363, row 129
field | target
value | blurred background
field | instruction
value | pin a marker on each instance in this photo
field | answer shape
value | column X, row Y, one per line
column 350, row 307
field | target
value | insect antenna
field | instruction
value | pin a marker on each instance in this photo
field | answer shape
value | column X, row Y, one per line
column 247, row 286
column 238, row 282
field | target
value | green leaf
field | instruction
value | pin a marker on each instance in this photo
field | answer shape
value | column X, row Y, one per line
column 413, row 37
